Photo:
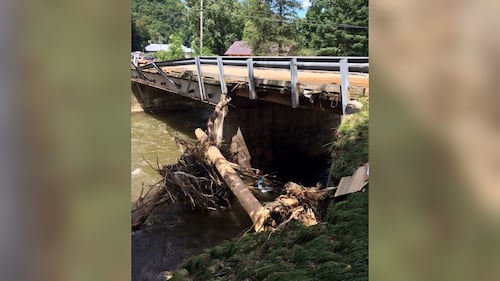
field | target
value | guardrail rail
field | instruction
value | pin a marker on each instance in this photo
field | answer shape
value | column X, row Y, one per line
column 344, row 65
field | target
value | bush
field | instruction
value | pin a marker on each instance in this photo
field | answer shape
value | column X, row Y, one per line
column 174, row 49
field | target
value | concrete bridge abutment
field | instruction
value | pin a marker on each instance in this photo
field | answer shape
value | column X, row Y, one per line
column 291, row 142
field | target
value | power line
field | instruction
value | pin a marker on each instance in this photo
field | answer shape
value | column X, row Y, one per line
column 292, row 21
column 265, row 17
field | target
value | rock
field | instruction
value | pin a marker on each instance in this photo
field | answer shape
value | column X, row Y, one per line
column 164, row 275
column 353, row 106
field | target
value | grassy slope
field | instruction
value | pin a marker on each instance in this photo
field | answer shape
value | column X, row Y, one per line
column 335, row 249
column 350, row 148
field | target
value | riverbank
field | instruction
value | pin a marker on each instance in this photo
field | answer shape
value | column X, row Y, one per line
column 172, row 235
column 335, row 249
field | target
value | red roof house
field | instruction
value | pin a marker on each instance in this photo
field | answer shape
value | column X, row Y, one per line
column 239, row 48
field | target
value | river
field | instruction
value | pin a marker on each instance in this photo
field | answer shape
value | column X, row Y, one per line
column 174, row 235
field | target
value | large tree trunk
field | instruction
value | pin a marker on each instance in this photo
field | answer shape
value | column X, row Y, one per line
column 252, row 206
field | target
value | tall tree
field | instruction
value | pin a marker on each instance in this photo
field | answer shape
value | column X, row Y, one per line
column 140, row 35
column 271, row 24
column 161, row 17
column 222, row 24
column 337, row 27
column 259, row 25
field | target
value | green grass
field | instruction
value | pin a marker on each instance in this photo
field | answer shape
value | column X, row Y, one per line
column 350, row 148
column 336, row 249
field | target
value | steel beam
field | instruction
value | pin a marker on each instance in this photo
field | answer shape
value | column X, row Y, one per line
column 165, row 76
column 138, row 70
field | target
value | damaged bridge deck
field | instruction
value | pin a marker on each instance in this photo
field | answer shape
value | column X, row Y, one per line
column 319, row 83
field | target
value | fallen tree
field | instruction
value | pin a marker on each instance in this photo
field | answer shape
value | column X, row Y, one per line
column 252, row 206
column 297, row 203
column 209, row 185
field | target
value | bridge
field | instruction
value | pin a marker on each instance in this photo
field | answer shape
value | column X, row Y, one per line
column 318, row 83
column 283, row 110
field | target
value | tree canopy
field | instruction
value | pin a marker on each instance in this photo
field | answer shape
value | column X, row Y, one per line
column 140, row 35
column 222, row 24
column 337, row 27
column 162, row 18
column 271, row 27
column 174, row 49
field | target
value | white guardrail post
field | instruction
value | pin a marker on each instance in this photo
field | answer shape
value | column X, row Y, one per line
column 251, row 82
column 220, row 67
column 344, row 83
column 201, row 86
column 293, row 83
column 356, row 64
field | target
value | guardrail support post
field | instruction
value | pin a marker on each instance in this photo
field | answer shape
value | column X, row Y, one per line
column 293, row 83
column 138, row 70
column 201, row 86
column 251, row 83
column 220, row 66
column 165, row 76
column 344, row 83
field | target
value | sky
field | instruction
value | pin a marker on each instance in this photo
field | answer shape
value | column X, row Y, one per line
column 305, row 4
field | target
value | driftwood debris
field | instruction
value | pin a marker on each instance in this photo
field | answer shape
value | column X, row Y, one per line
column 297, row 203
column 145, row 205
column 247, row 200
column 215, row 123
column 191, row 182
column 204, row 179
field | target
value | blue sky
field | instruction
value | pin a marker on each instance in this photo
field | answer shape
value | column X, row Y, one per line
column 305, row 5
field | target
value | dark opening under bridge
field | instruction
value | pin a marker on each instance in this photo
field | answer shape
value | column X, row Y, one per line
column 321, row 83
column 283, row 110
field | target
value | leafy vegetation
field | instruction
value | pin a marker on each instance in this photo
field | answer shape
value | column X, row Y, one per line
column 161, row 18
column 350, row 148
column 222, row 24
column 337, row 27
column 271, row 27
column 336, row 249
column 140, row 35
column 174, row 49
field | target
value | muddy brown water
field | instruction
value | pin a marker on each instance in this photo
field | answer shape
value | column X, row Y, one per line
column 172, row 235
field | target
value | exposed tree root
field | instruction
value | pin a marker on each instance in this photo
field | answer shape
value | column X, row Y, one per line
column 297, row 203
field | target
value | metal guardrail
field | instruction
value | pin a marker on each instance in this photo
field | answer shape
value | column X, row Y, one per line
column 344, row 65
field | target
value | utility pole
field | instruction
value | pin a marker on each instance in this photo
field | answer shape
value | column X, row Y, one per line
column 201, row 26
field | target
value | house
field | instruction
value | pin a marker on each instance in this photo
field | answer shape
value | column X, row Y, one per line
column 188, row 52
column 239, row 48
